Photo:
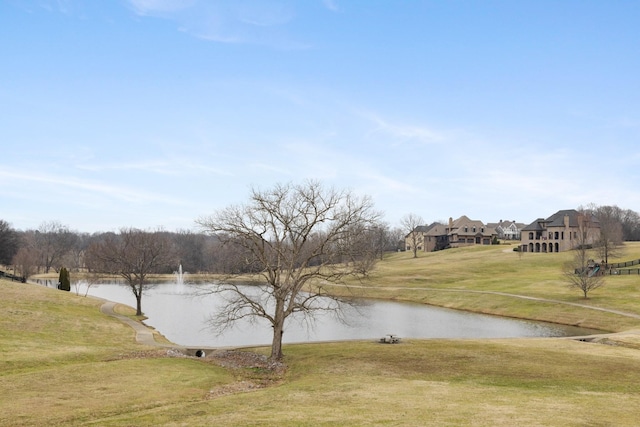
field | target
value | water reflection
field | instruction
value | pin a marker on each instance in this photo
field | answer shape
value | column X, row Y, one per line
column 183, row 319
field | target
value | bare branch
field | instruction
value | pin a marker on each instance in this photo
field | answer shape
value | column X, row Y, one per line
column 294, row 235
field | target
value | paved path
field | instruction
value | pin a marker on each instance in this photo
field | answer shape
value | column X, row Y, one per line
column 144, row 334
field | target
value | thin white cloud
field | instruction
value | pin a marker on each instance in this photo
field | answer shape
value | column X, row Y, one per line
column 151, row 7
column 331, row 5
column 157, row 166
column 401, row 132
column 264, row 14
column 85, row 188
column 320, row 161
column 173, row 167
column 240, row 22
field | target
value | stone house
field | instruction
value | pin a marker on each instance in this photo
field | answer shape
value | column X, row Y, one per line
column 562, row 231
column 507, row 230
column 429, row 238
column 465, row 232
column 461, row 232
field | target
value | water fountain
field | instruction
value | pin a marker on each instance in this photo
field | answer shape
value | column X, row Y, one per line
column 179, row 278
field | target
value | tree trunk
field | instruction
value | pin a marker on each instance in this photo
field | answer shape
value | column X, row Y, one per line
column 139, row 305
column 278, row 331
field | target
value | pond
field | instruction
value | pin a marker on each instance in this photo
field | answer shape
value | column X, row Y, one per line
column 182, row 318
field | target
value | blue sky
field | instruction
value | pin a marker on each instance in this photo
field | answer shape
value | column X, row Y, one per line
column 152, row 113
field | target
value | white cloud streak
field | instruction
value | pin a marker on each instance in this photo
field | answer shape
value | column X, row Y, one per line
column 404, row 132
column 84, row 189
column 240, row 22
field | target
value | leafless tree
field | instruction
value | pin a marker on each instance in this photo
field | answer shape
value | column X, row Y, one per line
column 133, row 255
column 610, row 241
column 409, row 223
column 630, row 225
column 191, row 250
column 583, row 272
column 53, row 241
column 89, row 280
column 298, row 238
column 25, row 262
column 381, row 239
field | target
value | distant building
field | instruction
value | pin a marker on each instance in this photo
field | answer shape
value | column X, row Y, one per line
column 507, row 230
column 428, row 238
column 465, row 232
column 562, row 231
column 461, row 232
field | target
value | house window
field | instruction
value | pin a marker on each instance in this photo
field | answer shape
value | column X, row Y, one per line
column 466, row 229
column 531, row 235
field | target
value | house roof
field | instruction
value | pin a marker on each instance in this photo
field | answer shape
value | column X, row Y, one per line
column 505, row 224
column 535, row 225
column 557, row 220
column 425, row 229
column 457, row 227
column 436, row 229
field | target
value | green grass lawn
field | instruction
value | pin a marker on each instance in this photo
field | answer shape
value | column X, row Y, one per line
column 62, row 362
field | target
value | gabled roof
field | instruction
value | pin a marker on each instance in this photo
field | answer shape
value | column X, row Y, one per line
column 421, row 229
column 464, row 221
column 557, row 220
column 535, row 225
column 505, row 224
column 424, row 229
column 436, row 229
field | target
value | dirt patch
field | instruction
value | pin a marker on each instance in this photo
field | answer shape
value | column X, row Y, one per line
column 254, row 371
column 244, row 359
column 146, row 354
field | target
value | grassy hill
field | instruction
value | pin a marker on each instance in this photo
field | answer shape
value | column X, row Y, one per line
column 476, row 279
column 63, row 362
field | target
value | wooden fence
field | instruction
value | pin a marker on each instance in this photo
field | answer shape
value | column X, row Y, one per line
column 622, row 272
column 625, row 264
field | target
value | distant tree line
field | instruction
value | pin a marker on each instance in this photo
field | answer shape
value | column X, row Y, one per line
column 54, row 245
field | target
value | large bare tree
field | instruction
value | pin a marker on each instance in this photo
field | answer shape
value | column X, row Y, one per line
column 410, row 223
column 298, row 238
column 133, row 255
column 610, row 241
column 583, row 272
column 53, row 241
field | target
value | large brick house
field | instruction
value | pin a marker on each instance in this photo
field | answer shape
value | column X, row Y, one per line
column 465, row 232
column 428, row 238
column 461, row 232
column 562, row 231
